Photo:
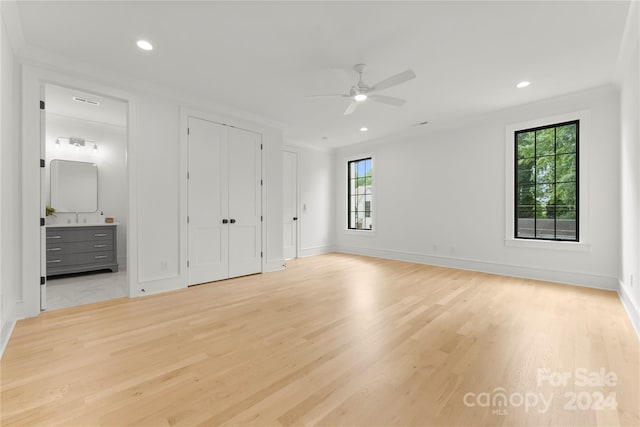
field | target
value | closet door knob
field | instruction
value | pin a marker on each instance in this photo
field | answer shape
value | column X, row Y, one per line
column 233, row 221
column 225, row 221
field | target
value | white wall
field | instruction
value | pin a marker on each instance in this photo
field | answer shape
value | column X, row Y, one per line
column 158, row 198
column 629, row 70
column 316, row 200
column 272, row 198
column 440, row 197
column 111, row 160
column 10, row 196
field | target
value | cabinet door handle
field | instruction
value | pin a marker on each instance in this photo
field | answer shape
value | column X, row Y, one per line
column 99, row 246
column 54, row 249
column 99, row 256
column 100, row 235
column 54, row 237
column 53, row 261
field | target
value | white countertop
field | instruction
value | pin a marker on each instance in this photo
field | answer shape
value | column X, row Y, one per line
column 80, row 224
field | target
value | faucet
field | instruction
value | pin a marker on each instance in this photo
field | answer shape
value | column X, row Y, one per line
column 77, row 221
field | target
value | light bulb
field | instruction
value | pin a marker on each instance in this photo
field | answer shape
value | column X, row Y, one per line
column 144, row 45
column 360, row 97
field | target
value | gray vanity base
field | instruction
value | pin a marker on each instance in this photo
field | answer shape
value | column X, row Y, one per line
column 80, row 249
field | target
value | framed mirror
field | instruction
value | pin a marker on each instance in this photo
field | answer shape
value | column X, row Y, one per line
column 74, row 186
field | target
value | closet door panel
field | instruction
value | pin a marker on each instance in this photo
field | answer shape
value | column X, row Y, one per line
column 245, row 202
column 208, row 237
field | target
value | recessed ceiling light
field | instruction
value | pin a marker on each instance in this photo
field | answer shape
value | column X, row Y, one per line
column 523, row 84
column 363, row 129
column 360, row 97
column 144, row 45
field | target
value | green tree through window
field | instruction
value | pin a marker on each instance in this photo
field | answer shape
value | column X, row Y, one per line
column 546, row 187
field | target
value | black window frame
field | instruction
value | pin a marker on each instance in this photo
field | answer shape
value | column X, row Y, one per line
column 349, row 178
column 516, row 187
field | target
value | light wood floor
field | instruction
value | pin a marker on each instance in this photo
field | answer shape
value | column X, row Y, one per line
column 332, row 340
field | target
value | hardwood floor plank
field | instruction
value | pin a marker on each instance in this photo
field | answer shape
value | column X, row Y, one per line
column 331, row 340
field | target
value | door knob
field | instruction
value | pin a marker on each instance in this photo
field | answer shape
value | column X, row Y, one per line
column 295, row 218
column 232, row 221
column 225, row 221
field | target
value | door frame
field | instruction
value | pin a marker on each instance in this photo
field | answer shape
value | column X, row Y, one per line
column 185, row 114
column 296, row 151
column 33, row 81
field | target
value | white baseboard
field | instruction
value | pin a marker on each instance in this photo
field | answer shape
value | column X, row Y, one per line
column 316, row 250
column 122, row 263
column 7, row 330
column 157, row 285
column 629, row 306
column 564, row 277
column 273, row 265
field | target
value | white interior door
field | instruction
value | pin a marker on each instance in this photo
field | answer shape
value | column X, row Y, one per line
column 208, row 237
column 245, row 202
column 290, row 206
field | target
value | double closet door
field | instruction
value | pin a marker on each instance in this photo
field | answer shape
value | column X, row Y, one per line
column 224, row 202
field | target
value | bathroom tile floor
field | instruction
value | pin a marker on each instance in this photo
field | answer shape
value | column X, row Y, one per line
column 71, row 290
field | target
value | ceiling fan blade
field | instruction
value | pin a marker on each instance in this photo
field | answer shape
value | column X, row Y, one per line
column 391, row 100
column 394, row 80
column 351, row 108
column 331, row 95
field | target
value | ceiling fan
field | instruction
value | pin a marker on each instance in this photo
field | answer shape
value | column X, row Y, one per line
column 361, row 92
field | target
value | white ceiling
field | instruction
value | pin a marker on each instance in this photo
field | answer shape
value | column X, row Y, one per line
column 110, row 111
column 264, row 57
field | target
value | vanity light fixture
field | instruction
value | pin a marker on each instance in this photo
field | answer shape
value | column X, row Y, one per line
column 77, row 143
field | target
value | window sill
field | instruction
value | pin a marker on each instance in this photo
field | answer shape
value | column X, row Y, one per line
column 548, row 245
column 366, row 233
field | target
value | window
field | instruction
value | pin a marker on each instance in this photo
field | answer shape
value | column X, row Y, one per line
column 546, row 182
column 359, row 195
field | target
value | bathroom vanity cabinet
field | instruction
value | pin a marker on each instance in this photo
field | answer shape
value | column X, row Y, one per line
column 76, row 248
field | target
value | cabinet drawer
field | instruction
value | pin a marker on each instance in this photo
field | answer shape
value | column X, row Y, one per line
column 64, row 235
column 54, row 260
column 63, row 248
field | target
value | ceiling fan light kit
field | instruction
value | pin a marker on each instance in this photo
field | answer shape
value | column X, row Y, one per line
column 361, row 92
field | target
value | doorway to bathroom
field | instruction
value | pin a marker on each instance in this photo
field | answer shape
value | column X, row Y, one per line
column 84, row 188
